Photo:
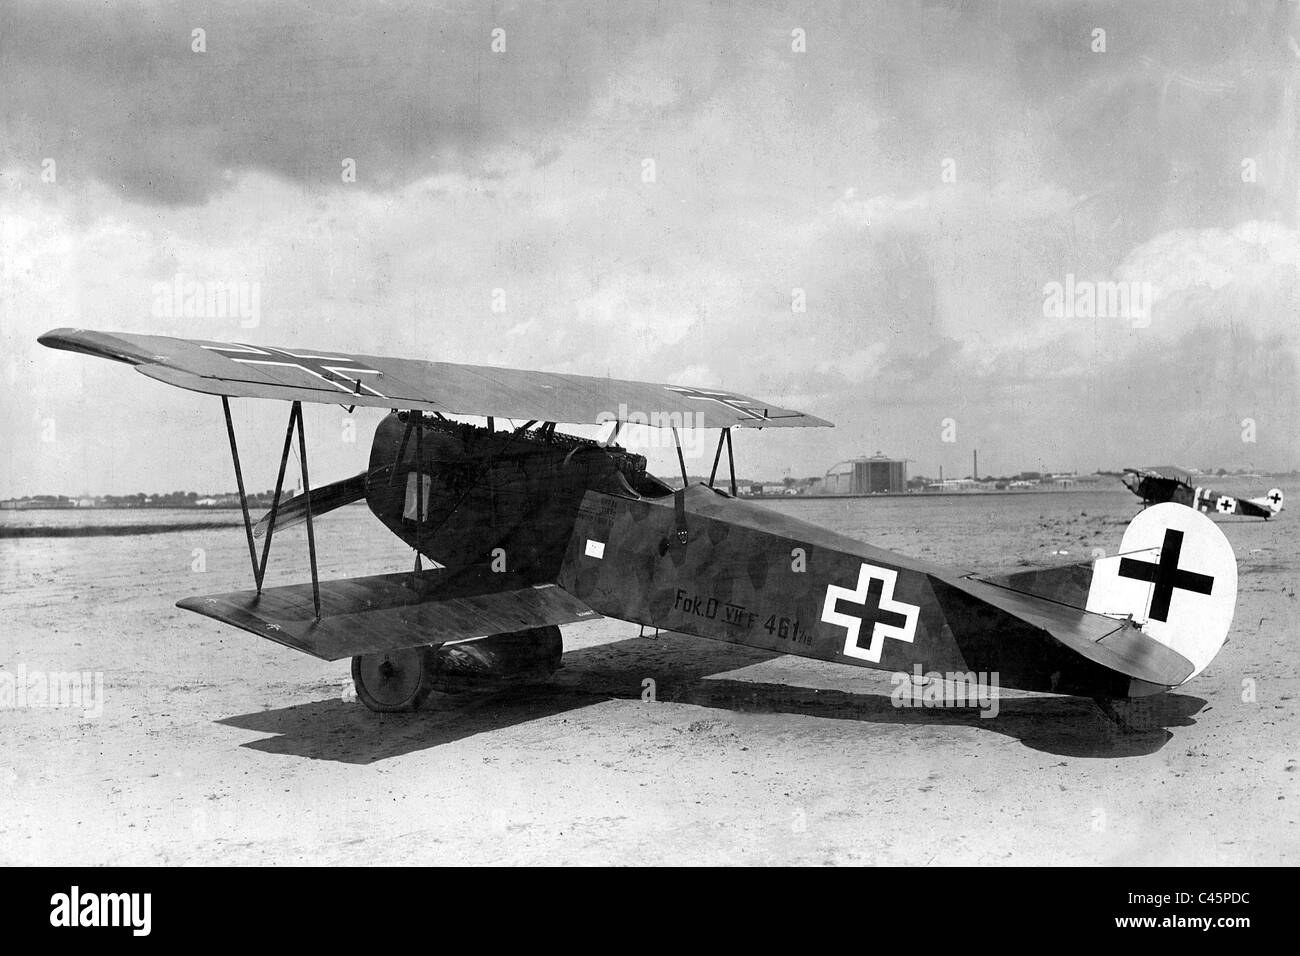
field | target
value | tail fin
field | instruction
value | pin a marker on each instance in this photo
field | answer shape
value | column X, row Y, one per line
column 1176, row 577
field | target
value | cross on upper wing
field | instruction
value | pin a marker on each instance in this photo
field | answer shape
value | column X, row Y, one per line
column 725, row 399
column 335, row 369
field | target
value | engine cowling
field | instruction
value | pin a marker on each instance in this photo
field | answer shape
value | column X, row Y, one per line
column 459, row 493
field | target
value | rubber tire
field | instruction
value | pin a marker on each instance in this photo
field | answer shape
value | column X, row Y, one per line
column 555, row 641
column 406, row 686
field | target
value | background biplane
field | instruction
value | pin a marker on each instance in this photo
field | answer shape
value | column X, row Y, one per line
column 530, row 529
column 1159, row 483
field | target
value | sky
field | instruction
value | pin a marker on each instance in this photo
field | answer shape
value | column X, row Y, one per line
column 872, row 212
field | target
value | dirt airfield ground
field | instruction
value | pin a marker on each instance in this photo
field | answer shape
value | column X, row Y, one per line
column 216, row 747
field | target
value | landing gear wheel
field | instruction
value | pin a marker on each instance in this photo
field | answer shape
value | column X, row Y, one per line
column 393, row 681
column 550, row 638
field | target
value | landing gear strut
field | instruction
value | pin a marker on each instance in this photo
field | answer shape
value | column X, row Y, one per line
column 1122, row 716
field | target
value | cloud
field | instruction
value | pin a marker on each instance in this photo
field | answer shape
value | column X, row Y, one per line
column 117, row 93
column 775, row 172
column 1247, row 261
column 944, row 207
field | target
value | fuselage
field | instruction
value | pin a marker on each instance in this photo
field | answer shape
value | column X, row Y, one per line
column 745, row 574
column 541, row 509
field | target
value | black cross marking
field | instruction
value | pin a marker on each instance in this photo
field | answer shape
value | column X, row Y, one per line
column 1275, row 497
column 871, row 613
column 341, row 371
column 725, row 399
column 1166, row 575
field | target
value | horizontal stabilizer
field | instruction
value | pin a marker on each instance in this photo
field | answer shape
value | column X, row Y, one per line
column 1130, row 650
column 1173, row 585
column 1117, row 645
column 383, row 613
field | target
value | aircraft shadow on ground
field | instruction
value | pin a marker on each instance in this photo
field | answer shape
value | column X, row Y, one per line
column 682, row 669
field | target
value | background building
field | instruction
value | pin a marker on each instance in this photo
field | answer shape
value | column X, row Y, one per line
column 865, row 476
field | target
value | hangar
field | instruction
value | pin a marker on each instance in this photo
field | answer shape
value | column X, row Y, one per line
column 866, row 476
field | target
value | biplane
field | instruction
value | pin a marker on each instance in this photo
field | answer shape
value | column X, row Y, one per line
column 527, row 529
column 1160, row 483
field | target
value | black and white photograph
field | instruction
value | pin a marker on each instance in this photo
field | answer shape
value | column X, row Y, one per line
column 650, row 434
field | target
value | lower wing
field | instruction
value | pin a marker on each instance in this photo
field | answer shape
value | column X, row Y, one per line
column 383, row 612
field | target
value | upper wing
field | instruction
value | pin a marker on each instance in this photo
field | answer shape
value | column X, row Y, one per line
column 1172, row 472
column 313, row 375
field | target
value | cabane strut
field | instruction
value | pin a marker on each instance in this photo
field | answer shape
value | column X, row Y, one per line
column 731, row 460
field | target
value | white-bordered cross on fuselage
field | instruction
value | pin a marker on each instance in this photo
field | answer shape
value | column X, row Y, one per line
column 328, row 368
column 884, row 615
